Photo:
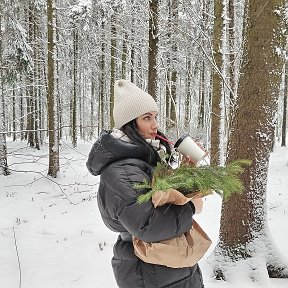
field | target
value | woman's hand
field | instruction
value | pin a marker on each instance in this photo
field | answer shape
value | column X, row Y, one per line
column 198, row 203
column 187, row 160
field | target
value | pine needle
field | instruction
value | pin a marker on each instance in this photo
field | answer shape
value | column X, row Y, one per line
column 189, row 179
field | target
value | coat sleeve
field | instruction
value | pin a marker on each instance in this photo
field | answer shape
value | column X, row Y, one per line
column 143, row 220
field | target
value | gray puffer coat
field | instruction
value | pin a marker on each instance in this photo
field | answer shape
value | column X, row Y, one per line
column 120, row 165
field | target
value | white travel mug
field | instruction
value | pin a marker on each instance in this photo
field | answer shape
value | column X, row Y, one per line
column 188, row 147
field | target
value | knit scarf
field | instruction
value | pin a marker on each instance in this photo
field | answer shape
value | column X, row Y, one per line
column 173, row 160
column 118, row 134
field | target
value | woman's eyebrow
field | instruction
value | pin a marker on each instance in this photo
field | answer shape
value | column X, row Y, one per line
column 150, row 114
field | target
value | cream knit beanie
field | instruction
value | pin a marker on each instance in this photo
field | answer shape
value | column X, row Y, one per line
column 130, row 102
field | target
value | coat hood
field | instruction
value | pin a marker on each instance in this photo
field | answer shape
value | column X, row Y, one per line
column 108, row 149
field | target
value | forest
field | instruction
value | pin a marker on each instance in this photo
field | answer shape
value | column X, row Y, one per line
column 217, row 69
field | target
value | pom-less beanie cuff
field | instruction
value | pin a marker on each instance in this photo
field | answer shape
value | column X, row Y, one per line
column 130, row 102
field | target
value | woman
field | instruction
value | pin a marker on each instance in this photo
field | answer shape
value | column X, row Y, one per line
column 124, row 156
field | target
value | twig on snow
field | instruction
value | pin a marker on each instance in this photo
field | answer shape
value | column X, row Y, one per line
column 18, row 259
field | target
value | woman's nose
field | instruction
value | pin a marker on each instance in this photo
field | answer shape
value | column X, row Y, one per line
column 155, row 124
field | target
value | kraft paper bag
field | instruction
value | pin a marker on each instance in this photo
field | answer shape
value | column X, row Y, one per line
column 184, row 250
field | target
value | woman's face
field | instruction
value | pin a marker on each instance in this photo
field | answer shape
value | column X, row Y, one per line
column 147, row 125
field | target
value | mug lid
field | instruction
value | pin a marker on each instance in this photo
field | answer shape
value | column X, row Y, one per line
column 178, row 142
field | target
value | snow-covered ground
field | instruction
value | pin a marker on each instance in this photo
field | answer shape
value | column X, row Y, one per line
column 52, row 236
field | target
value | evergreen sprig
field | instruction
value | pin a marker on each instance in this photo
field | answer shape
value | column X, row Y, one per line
column 189, row 179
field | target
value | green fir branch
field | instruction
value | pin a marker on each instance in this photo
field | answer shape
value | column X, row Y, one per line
column 189, row 179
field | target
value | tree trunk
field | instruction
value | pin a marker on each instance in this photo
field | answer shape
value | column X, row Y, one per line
column 174, row 75
column 92, row 104
column 21, row 108
column 231, row 50
column 201, row 115
column 59, row 99
column 124, row 56
column 284, row 120
column 132, row 52
column 3, row 148
column 52, row 116
column 30, row 89
column 217, row 83
column 112, row 66
column 36, row 94
column 75, row 86
column 80, row 104
column 235, row 35
column 171, row 81
column 187, row 115
column 43, row 94
column 244, row 233
column 101, row 77
column 153, row 47
column 14, row 113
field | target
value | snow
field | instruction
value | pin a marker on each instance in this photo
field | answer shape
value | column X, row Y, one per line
column 60, row 239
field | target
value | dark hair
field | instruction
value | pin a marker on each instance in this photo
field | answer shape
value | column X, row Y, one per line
column 131, row 130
